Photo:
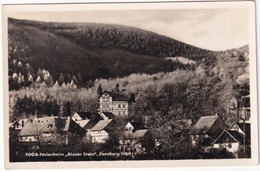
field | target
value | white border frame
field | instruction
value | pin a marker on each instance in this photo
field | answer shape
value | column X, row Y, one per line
column 153, row 163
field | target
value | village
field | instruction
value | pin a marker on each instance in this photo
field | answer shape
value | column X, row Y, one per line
column 209, row 132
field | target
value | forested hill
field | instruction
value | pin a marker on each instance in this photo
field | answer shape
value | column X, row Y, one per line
column 96, row 50
column 102, row 36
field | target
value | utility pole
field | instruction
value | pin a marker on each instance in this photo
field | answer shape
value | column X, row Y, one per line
column 244, row 125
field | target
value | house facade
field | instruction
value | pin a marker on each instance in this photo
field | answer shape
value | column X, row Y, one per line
column 98, row 134
column 131, row 141
column 245, row 114
column 50, row 130
column 207, row 129
column 244, row 129
column 118, row 104
column 229, row 140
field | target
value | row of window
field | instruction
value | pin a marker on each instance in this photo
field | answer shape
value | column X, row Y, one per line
column 106, row 105
column 121, row 113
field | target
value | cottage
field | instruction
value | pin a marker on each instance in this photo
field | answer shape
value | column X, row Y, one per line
column 49, row 129
column 230, row 140
column 244, row 129
column 98, row 134
column 131, row 141
column 116, row 103
column 206, row 129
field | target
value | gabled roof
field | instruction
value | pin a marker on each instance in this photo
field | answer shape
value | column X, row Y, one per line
column 114, row 126
column 49, row 124
column 247, row 130
column 138, row 134
column 94, row 117
column 203, row 124
column 82, row 123
column 109, row 115
column 101, row 125
column 86, row 124
column 14, row 123
column 117, row 96
column 72, row 126
column 137, row 125
column 29, row 129
column 236, row 136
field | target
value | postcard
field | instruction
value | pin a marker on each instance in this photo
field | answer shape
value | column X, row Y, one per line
column 153, row 84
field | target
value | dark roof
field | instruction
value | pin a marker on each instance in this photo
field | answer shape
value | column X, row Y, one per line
column 203, row 124
column 89, row 125
column 247, row 128
column 109, row 115
column 117, row 96
column 94, row 117
column 245, row 101
column 137, row 125
column 236, row 136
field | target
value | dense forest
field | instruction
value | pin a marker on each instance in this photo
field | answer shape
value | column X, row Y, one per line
column 57, row 69
column 97, row 50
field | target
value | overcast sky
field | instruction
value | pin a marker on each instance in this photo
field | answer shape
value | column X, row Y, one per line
column 214, row 29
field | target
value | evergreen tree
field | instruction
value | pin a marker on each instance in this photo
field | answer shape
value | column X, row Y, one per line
column 80, row 80
column 99, row 90
column 61, row 79
column 117, row 88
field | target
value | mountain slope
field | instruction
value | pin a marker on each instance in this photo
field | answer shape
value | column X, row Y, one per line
column 44, row 49
column 102, row 36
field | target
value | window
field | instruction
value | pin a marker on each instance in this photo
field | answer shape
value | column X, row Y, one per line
column 123, row 112
column 119, row 112
column 123, row 105
column 119, row 106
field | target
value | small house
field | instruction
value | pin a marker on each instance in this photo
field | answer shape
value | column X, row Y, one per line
column 49, row 130
column 244, row 129
column 131, row 141
column 207, row 129
column 98, row 134
column 230, row 140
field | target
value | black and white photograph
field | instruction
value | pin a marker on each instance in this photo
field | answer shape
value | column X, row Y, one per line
column 130, row 82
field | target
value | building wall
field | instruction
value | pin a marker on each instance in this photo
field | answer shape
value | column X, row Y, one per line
column 116, row 107
column 76, row 117
column 245, row 114
column 120, row 108
column 231, row 147
column 99, row 136
column 134, row 147
column 28, row 139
